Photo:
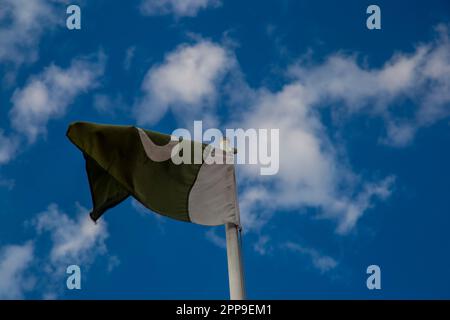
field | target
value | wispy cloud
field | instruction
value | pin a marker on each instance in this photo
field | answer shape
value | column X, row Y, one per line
column 109, row 104
column 129, row 55
column 321, row 262
column 72, row 241
column 113, row 262
column 8, row 147
column 179, row 8
column 355, row 208
column 14, row 260
column 262, row 246
column 214, row 238
column 143, row 211
column 23, row 22
column 421, row 77
column 48, row 94
column 75, row 240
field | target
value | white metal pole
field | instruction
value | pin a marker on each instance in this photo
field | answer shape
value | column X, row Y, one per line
column 235, row 269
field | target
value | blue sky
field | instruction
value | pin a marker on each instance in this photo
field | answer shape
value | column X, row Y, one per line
column 364, row 128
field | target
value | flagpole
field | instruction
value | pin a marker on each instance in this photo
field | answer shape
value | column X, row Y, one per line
column 232, row 232
column 235, row 271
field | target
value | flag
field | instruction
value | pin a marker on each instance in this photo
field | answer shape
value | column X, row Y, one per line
column 124, row 161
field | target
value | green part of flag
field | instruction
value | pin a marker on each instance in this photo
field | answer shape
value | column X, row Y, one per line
column 118, row 166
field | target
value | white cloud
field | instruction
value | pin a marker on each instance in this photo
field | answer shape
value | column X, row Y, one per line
column 186, row 82
column 321, row 262
column 354, row 209
column 8, row 148
column 22, row 23
column 14, row 260
column 103, row 103
column 214, row 238
column 421, row 77
column 179, row 8
column 142, row 210
column 108, row 104
column 262, row 245
column 113, row 262
column 48, row 95
column 252, row 203
column 313, row 174
column 129, row 55
column 74, row 241
column 139, row 207
column 314, row 171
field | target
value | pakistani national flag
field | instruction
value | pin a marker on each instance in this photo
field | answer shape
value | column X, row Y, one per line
column 123, row 161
